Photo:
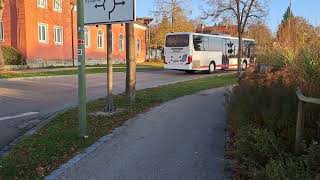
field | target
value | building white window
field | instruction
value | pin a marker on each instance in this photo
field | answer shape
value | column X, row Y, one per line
column 87, row 37
column 43, row 33
column 1, row 31
column 138, row 46
column 100, row 38
column 57, row 5
column 121, row 43
column 58, row 35
column 42, row 3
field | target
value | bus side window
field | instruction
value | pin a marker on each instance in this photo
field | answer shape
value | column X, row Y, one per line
column 215, row 44
column 206, row 44
column 198, row 43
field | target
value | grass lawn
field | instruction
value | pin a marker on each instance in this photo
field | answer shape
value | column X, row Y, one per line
column 58, row 141
column 90, row 70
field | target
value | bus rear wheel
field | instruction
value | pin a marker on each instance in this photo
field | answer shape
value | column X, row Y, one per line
column 212, row 67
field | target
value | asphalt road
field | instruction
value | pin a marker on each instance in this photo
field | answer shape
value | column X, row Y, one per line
column 25, row 103
column 181, row 139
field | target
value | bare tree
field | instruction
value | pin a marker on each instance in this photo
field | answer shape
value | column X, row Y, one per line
column 131, row 75
column 1, row 15
column 169, row 8
column 241, row 11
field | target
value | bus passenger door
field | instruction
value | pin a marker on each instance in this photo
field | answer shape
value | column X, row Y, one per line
column 225, row 56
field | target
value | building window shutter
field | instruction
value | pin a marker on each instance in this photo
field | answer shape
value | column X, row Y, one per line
column 58, row 35
column 138, row 46
column 87, row 37
column 43, row 33
column 1, row 31
column 121, row 43
column 100, row 38
column 57, row 5
column 42, row 3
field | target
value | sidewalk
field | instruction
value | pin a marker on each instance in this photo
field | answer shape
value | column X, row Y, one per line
column 182, row 139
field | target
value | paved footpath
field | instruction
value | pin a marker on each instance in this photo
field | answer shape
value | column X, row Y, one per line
column 182, row 139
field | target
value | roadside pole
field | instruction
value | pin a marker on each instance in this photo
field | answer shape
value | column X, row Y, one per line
column 130, row 63
column 72, row 33
column 82, row 70
column 110, row 107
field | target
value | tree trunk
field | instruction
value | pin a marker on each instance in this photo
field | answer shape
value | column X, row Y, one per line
column 173, row 15
column 240, row 47
column 1, row 14
column 110, row 107
column 131, row 63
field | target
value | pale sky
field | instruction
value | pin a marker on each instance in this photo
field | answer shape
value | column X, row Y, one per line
column 309, row 9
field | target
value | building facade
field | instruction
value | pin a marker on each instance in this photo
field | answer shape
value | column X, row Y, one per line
column 42, row 30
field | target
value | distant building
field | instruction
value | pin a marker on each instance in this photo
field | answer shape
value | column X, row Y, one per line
column 41, row 30
column 231, row 30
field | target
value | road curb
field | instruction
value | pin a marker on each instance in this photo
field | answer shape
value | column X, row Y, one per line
column 75, row 161
column 62, row 76
column 37, row 77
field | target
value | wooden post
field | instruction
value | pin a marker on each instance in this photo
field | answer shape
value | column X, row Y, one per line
column 300, row 118
column 110, row 107
column 130, row 63
column 299, row 127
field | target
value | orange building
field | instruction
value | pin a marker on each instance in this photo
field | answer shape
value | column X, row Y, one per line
column 42, row 31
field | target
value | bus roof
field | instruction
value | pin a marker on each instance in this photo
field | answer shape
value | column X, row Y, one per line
column 219, row 36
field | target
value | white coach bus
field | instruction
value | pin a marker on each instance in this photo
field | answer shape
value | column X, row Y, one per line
column 198, row 52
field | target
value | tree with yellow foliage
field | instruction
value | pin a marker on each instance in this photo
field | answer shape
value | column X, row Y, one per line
column 166, row 24
column 262, row 34
column 293, row 35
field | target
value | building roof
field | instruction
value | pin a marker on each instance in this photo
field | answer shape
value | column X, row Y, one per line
column 220, row 29
column 144, row 20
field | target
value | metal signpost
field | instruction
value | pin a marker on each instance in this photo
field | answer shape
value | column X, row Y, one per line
column 98, row 12
column 82, row 72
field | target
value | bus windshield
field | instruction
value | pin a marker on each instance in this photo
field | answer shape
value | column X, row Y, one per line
column 179, row 40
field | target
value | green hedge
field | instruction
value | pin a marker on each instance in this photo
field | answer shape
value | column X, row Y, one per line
column 11, row 56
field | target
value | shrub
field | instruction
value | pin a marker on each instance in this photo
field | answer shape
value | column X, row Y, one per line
column 312, row 158
column 254, row 149
column 289, row 168
column 271, row 57
column 11, row 56
column 267, row 107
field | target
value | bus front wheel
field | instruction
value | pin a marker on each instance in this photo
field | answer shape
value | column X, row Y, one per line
column 212, row 67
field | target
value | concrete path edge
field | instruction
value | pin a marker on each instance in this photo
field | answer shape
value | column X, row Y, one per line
column 74, row 162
